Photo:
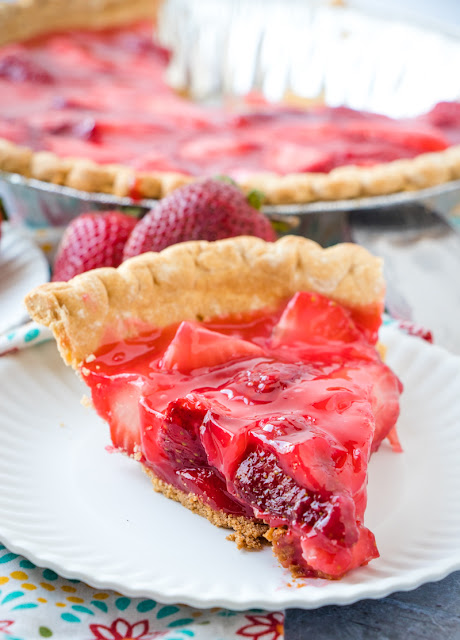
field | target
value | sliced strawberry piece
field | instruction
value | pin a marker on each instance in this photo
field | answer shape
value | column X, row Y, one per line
column 172, row 446
column 180, row 113
column 131, row 129
column 171, row 438
column 264, row 381
column 393, row 439
column 74, row 55
column 12, row 131
column 21, row 67
column 207, row 483
column 445, row 115
column 312, row 318
column 415, row 138
column 216, row 146
column 155, row 161
column 261, row 480
column 68, row 124
column 333, row 564
column 179, row 434
column 116, row 399
column 288, row 157
column 124, row 426
column 381, row 388
column 194, row 347
column 65, row 146
column 151, row 423
column 386, row 389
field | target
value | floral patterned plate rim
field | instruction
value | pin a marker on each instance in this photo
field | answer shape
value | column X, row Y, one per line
column 68, row 504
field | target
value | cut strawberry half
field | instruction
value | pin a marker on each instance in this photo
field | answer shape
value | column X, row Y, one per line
column 386, row 388
column 68, row 146
column 288, row 157
column 173, row 440
column 116, row 399
column 312, row 318
column 212, row 146
column 178, row 433
column 21, row 67
column 417, row 139
column 194, row 347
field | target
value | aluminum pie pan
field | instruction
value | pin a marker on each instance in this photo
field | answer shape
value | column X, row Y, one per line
column 40, row 204
column 45, row 209
column 334, row 51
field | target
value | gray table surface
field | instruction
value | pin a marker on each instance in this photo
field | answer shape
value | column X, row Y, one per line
column 431, row 612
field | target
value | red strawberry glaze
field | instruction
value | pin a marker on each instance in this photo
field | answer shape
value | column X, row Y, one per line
column 268, row 415
column 103, row 96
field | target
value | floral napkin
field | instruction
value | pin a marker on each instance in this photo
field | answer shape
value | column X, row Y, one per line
column 36, row 603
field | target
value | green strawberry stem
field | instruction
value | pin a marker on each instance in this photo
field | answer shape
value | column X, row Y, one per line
column 227, row 179
column 256, row 198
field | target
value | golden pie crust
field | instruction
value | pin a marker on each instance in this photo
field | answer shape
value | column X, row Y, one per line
column 27, row 18
column 199, row 280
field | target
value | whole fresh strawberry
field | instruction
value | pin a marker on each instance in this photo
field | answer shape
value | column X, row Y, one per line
column 208, row 210
column 90, row 241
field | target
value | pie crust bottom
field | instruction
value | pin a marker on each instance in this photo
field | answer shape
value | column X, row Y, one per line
column 248, row 533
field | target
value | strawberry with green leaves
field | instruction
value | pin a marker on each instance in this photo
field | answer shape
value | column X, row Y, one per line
column 92, row 240
column 207, row 210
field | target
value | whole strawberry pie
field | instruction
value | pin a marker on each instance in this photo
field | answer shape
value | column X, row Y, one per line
column 91, row 110
column 243, row 376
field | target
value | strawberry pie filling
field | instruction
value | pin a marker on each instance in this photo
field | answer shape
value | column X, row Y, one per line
column 103, row 96
column 271, row 416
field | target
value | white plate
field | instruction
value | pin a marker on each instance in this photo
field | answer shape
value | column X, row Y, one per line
column 23, row 266
column 67, row 504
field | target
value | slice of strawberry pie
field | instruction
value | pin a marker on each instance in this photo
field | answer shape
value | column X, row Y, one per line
column 244, row 376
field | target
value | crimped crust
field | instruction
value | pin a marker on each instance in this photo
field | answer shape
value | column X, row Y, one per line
column 198, row 280
column 28, row 18
column 248, row 532
column 426, row 170
column 25, row 19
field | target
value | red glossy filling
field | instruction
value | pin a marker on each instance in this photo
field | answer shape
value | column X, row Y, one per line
column 103, row 96
column 272, row 415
